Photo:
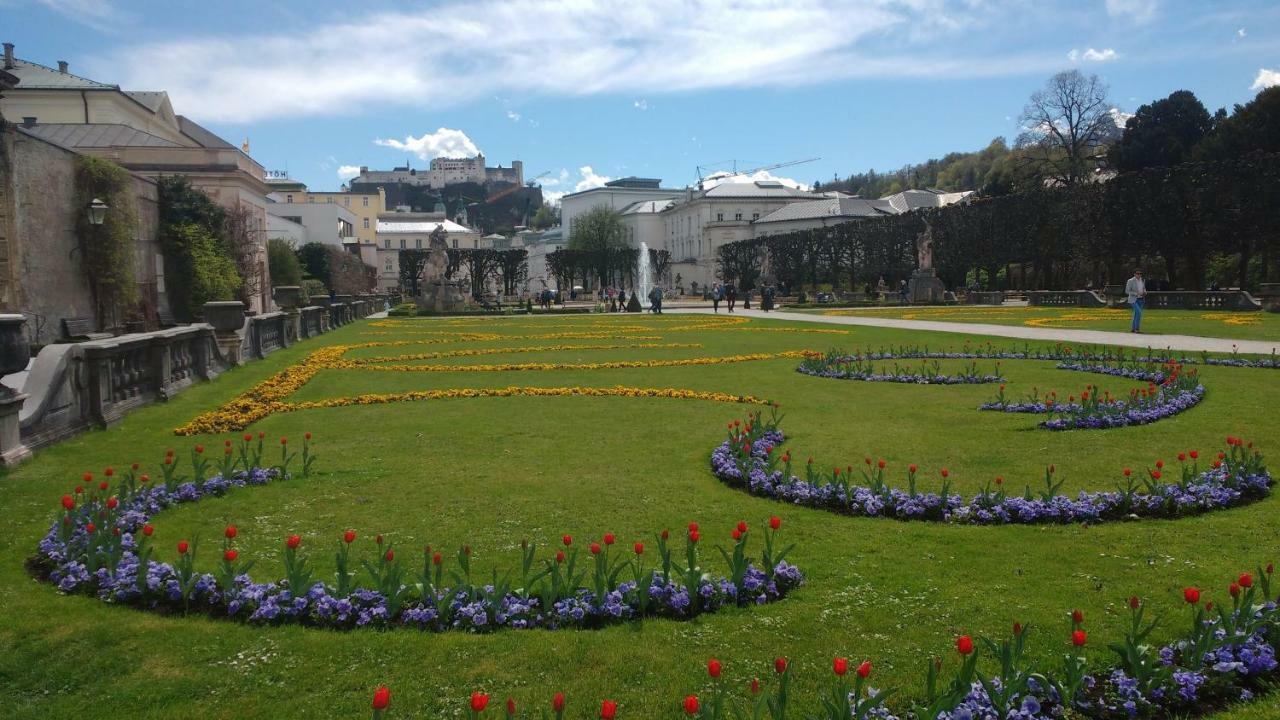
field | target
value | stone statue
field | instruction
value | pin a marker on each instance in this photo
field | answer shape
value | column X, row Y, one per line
column 438, row 294
column 924, row 247
column 437, row 256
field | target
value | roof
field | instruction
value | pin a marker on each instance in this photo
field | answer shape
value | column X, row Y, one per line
column 635, row 182
column 419, row 227
column 203, row 137
column 625, row 189
column 71, row 135
column 833, row 207
column 645, row 207
column 152, row 99
column 34, row 76
column 495, row 236
column 908, row 200
column 757, row 189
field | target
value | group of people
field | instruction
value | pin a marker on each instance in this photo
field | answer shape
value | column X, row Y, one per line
column 724, row 294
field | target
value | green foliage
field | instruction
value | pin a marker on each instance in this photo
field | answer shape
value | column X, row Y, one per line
column 1253, row 127
column 546, row 216
column 988, row 170
column 314, row 257
column 1162, row 133
column 285, row 268
column 600, row 228
column 199, row 260
column 348, row 275
column 106, row 250
column 312, row 288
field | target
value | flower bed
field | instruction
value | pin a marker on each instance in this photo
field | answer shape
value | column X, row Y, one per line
column 750, row 459
column 1227, row 653
column 103, row 543
column 839, row 366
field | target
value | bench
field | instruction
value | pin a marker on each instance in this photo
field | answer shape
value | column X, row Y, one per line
column 166, row 319
column 80, row 329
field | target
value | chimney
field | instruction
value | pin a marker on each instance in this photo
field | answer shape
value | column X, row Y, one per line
column 28, row 121
column 62, row 66
column 8, row 56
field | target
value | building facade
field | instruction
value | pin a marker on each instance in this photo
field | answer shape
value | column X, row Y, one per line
column 443, row 172
column 398, row 231
column 615, row 195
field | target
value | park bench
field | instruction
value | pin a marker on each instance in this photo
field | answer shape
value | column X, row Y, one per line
column 81, row 329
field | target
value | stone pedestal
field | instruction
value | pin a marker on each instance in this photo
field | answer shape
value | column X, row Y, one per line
column 441, row 297
column 12, row 451
column 925, row 288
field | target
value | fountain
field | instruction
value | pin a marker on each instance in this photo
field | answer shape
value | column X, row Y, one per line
column 642, row 272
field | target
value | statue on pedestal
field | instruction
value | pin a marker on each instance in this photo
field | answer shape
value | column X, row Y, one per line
column 438, row 293
column 925, row 286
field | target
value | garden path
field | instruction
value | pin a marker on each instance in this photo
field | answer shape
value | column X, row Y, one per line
column 1186, row 343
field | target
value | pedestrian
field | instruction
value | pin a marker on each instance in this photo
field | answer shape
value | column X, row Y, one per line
column 1136, row 290
column 746, row 300
column 731, row 296
column 717, row 294
column 903, row 293
column 766, row 302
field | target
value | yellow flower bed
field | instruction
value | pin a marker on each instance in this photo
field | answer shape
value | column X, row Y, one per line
column 516, row 391
column 615, row 364
column 502, row 351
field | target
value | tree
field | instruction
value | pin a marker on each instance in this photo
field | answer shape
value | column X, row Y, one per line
column 348, row 275
column 513, row 269
column 599, row 228
column 546, row 216
column 1254, row 126
column 1162, row 133
column 1068, row 123
column 411, row 264
column 283, row 261
column 196, row 248
column 314, row 257
column 246, row 251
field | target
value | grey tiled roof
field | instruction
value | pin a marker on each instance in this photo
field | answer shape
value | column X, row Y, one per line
column 33, row 76
column 641, row 207
column 152, row 99
column 841, row 207
column 203, row 137
column 96, row 135
column 758, row 189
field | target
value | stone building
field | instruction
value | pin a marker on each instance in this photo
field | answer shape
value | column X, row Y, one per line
column 403, row 230
column 444, row 172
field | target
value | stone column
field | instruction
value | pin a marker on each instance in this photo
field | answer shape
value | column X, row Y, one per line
column 15, row 352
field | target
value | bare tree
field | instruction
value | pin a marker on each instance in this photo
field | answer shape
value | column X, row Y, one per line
column 247, row 250
column 1067, row 125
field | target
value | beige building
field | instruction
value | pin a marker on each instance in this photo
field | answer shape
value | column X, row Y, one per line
column 140, row 131
column 398, row 231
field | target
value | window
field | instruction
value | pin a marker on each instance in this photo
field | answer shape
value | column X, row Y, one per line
column 288, row 198
column 402, row 245
column 755, row 216
column 737, row 216
column 366, row 200
column 386, row 243
column 329, row 200
column 388, row 265
column 719, row 217
column 455, row 243
column 418, row 243
column 366, row 223
column 346, row 201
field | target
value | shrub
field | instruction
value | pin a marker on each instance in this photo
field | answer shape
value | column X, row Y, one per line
column 285, row 268
column 212, row 272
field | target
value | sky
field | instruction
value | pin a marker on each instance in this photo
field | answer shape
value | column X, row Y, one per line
column 584, row 91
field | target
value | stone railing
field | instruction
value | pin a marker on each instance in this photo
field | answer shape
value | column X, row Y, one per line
column 71, row 387
column 1065, row 298
column 984, row 298
column 1269, row 296
column 1188, row 299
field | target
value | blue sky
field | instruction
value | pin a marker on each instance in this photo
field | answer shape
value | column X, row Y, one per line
column 592, row 90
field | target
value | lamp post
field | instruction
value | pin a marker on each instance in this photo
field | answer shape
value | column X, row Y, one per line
column 97, row 212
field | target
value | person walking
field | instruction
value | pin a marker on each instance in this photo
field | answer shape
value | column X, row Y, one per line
column 903, row 292
column 731, row 296
column 1136, row 290
column 716, row 296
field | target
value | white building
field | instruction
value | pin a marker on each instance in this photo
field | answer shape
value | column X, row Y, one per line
column 398, row 231
column 327, row 223
column 615, row 195
column 444, row 172
column 539, row 246
column 837, row 208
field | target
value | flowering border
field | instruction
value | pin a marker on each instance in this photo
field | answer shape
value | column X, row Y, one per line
column 103, row 543
column 747, row 460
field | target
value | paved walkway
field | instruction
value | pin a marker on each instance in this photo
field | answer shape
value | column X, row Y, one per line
column 1186, row 343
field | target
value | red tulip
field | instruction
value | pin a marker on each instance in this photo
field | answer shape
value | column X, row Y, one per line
column 103, row 485
column 511, row 707
column 1182, row 457
column 880, row 464
column 964, row 645
column 742, row 526
column 479, row 701
column 609, row 539
column 79, row 489
column 1127, row 472
column 199, row 449
column 1195, row 454
column 284, row 441
column 306, row 435
column 381, row 698
column 247, row 437
column 261, row 434
column 1077, row 617
column 144, row 479
column 1191, row 595
column 945, row 472
column 693, row 527
column 691, row 705
column 349, row 536
column 755, row 686
column 666, row 534
column 694, row 536
column 864, row 669
column 912, row 467
column 1270, row 568
column 775, row 522
column 567, row 540
column 713, row 668
column 595, row 548
column 736, row 534
column 999, row 480
column 840, row 666
column 1017, row 628
column 557, row 702
column 559, row 556
column 608, row 710
column 182, row 547
column 230, row 532
column 391, row 555
column 147, row 530
column 293, row 542
column 1078, row 638
column 88, row 477
column 226, row 443
column 109, row 472
column 436, row 559
column 68, row 502
column 1246, row 580
column 90, row 528
column 378, row 538
column 1134, row 602
column 639, row 548
column 230, row 555
column 780, row 665
column 133, row 466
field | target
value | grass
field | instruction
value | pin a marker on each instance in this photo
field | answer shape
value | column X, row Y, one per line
column 1206, row 323
column 489, row 472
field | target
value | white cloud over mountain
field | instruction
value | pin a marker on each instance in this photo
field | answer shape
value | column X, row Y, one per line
column 445, row 142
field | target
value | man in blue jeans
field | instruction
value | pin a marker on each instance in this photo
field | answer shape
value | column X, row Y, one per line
column 1136, row 290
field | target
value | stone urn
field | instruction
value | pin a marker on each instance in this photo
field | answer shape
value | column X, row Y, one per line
column 15, row 351
column 342, row 298
column 226, row 316
column 288, row 296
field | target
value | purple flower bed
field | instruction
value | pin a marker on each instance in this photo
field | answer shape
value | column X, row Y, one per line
column 107, row 561
column 1239, row 479
column 838, row 366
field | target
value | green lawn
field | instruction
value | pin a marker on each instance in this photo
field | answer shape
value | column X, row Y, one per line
column 489, row 472
column 1208, row 323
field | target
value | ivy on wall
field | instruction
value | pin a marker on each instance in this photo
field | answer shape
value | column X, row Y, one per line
column 107, row 250
column 199, row 260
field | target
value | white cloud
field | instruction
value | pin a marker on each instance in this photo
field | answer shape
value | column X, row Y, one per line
column 445, row 142
column 587, row 178
column 719, row 178
column 1266, row 78
column 1241, row 33
column 574, row 49
column 1139, row 11
column 641, row 104
column 590, row 179
column 513, row 116
column 346, row 172
column 97, row 14
column 1092, row 55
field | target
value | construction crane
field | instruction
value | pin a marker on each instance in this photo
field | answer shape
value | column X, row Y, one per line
column 762, row 168
column 535, row 180
column 507, row 191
